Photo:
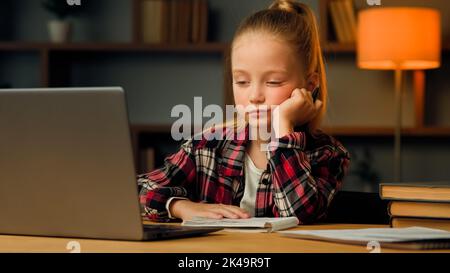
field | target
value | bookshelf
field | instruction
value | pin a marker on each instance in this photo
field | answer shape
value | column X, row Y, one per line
column 56, row 60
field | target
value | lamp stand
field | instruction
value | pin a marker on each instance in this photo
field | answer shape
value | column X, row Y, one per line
column 398, row 125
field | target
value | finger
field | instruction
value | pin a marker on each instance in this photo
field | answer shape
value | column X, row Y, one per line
column 242, row 213
column 226, row 213
column 212, row 215
column 234, row 208
column 296, row 93
column 318, row 104
column 308, row 95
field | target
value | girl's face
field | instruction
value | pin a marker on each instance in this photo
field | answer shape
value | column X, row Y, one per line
column 265, row 71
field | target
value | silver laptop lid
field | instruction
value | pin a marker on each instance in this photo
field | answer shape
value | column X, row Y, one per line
column 66, row 164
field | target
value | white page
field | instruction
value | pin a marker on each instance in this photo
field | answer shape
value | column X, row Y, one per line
column 255, row 222
column 376, row 234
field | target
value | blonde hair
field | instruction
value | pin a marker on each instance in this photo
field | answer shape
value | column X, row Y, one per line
column 296, row 24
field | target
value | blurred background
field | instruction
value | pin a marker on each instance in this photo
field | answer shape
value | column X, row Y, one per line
column 164, row 54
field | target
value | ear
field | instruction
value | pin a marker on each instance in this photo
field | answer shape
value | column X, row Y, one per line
column 313, row 81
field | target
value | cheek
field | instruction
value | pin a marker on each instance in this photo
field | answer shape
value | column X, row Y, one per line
column 240, row 97
column 279, row 95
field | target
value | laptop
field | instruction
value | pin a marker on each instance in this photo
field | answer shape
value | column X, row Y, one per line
column 66, row 167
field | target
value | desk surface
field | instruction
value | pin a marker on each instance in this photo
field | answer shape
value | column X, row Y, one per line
column 218, row 242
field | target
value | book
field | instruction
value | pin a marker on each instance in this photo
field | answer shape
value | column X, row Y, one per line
column 401, row 222
column 181, row 19
column 173, row 22
column 204, row 21
column 419, row 209
column 337, row 22
column 165, row 21
column 345, row 24
column 416, row 191
column 350, row 17
column 254, row 224
column 195, row 31
column 417, row 238
column 152, row 21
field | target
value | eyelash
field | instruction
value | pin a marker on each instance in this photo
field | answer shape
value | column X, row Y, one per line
column 270, row 83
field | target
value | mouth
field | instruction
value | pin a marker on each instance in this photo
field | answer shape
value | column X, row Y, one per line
column 259, row 112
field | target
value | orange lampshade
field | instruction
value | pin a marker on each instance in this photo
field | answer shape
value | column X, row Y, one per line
column 399, row 38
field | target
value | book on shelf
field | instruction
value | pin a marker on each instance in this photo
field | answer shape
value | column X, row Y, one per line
column 350, row 16
column 416, row 191
column 204, row 19
column 152, row 21
column 174, row 21
column 337, row 22
column 343, row 19
column 403, row 222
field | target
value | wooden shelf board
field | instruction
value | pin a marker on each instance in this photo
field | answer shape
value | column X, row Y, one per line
column 336, row 131
column 201, row 48
column 388, row 131
column 211, row 47
column 335, row 47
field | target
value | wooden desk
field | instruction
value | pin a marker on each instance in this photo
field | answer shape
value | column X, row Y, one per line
column 219, row 242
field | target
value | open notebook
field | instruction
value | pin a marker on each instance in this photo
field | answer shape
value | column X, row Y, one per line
column 245, row 225
column 405, row 238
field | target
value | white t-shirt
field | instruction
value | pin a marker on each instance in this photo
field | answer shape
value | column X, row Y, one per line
column 252, row 177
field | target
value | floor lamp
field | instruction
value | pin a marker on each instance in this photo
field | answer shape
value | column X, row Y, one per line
column 399, row 39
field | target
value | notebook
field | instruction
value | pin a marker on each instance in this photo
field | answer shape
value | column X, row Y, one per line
column 255, row 224
column 404, row 238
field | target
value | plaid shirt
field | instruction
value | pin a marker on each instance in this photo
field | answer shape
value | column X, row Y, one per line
column 303, row 174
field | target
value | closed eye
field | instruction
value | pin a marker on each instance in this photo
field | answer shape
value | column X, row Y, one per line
column 274, row 83
column 242, row 82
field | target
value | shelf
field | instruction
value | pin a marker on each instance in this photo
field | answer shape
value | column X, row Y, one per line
column 388, row 132
column 115, row 47
column 335, row 131
column 211, row 47
column 335, row 47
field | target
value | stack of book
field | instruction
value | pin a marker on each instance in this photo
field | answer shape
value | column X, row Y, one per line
column 418, row 204
column 343, row 18
column 174, row 21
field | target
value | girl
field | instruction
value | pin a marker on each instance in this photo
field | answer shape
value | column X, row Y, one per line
column 276, row 60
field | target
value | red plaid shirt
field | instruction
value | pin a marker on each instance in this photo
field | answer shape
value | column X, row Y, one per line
column 303, row 174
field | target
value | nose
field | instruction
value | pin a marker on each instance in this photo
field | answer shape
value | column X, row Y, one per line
column 257, row 95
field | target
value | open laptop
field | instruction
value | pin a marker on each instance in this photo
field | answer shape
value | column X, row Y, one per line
column 66, row 167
